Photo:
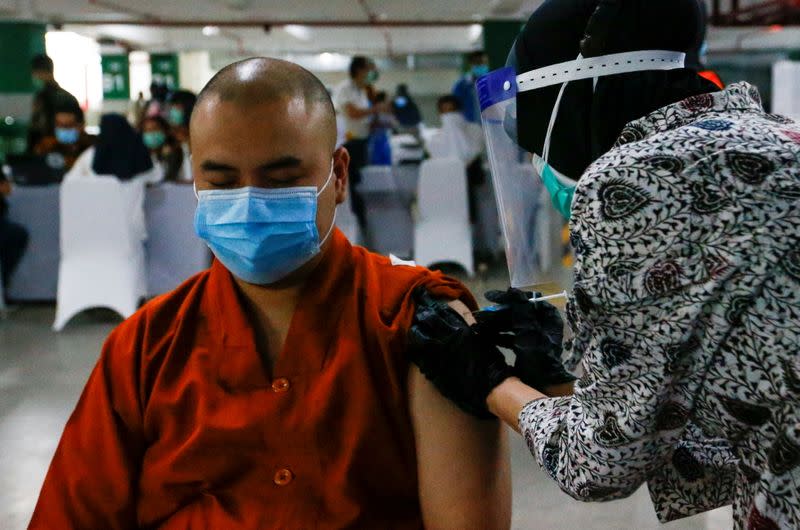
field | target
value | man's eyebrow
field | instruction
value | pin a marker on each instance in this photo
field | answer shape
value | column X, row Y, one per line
column 210, row 165
column 286, row 162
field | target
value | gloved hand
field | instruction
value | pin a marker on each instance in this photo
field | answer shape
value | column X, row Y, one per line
column 538, row 332
column 464, row 366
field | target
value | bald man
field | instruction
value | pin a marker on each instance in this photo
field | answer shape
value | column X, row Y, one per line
column 273, row 390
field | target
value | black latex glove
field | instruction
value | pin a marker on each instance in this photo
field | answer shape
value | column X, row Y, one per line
column 464, row 366
column 538, row 331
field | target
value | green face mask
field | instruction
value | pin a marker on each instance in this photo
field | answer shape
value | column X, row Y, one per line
column 561, row 194
column 38, row 84
column 372, row 77
column 154, row 139
column 175, row 116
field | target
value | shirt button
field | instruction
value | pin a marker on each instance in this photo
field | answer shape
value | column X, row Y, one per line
column 280, row 385
column 283, row 477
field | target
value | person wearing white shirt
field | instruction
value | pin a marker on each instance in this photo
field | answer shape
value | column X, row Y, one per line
column 354, row 107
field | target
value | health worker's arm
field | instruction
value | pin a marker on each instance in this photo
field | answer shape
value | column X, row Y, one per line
column 463, row 462
column 93, row 476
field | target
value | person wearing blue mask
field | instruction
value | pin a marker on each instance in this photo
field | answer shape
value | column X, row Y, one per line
column 180, row 105
column 464, row 89
column 684, row 207
column 274, row 389
column 68, row 141
column 49, row 97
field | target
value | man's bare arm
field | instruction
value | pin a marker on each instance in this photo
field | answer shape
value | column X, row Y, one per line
column 463, row 462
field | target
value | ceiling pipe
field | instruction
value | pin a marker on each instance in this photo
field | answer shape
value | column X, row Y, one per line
column 159, row 22
column 121, row 8
column 372, row 20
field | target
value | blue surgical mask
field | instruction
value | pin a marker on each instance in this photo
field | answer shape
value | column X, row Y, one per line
column 261, row 235
column 67, row 136
column 560, row 188
column 480, row 70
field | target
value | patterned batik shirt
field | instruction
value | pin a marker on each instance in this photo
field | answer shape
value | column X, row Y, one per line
column 686, row 314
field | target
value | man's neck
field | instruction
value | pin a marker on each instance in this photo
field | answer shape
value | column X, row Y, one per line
column 271, row 308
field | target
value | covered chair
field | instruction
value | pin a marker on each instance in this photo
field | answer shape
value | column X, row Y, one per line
column 443, row 232
column 102, row 251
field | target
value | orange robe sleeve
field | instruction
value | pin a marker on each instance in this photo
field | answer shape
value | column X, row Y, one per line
column 92, row 480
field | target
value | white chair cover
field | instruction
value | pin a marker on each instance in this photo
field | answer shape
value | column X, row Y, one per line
column 443, row 232
column 174, row 252
column 102, row 254
column 346, row 222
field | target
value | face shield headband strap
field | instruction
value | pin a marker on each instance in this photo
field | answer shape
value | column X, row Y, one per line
column 604, row 65
column 594, row 67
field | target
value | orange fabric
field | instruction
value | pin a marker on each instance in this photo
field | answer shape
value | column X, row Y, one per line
column 714, row 77
column 180, row 426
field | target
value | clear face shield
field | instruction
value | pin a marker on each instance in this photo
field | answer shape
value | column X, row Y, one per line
column 533, row 198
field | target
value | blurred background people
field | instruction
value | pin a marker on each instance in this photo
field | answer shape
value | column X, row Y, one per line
column 49, row 97
column 406, row 110
column 165, row 149
column 13, row 237
column 157, row 105
column 69, row 139
column 119, row 152
column 352, row 101
column 464, row 89
column 180, row 105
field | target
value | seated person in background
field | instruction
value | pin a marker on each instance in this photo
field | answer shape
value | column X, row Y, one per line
column 165, row 150
column 180, row 105
column 274, row 390
column 69, row 140
column 49, row 97
column 13, row 237
column 119, row 151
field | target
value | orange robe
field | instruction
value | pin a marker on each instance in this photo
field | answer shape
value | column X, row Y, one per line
column 180, row 426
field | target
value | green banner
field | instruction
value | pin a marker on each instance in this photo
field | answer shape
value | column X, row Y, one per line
column 19, row 42
column 164, row 68
column 116, row 77
column 498, row 37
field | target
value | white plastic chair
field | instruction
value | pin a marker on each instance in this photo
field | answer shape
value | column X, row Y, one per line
column 174, row 252
column 346, row 222
column 102, row 252
column 443, row 232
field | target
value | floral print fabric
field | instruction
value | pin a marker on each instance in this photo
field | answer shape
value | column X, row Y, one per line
column 686, row 314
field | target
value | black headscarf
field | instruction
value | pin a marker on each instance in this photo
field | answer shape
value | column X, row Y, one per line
column 589, row 122
column 120, row 150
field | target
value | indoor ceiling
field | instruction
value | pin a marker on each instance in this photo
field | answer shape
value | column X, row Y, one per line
column 380, row 27
column 245, row 27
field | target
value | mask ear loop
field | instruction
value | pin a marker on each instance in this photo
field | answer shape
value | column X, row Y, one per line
column 335, row 209
column 553, row 116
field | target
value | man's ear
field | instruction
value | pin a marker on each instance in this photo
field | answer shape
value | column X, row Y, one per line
column 341, row 170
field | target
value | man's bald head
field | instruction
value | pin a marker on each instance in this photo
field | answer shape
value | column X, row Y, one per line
column 263, row 80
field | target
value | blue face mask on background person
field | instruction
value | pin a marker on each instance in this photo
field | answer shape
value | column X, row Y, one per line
column 175, row 116
column 480, row 70
column 261, row 235
column 67, row 136
column 154, row 139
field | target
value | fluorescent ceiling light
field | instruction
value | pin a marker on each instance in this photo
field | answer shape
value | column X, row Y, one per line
column 475, row 32
column 210, row 31
column 298, row 32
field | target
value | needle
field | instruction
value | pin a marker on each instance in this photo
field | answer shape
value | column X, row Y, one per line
column 562, row 294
